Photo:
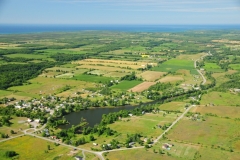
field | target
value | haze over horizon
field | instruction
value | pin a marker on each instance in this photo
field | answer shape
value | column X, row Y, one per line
column 119, row 12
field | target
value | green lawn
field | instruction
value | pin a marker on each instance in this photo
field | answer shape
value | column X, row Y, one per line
column 126, row 85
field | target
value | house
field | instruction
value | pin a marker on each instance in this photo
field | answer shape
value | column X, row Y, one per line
column 131, row 143
column 165, row 146
column 37, row 120
column 130, row 115
column 78, row 158
column 18, row 107
column 95, row 144
column 29, row 120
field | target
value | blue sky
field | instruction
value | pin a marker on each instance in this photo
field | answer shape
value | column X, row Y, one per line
column 119, row 11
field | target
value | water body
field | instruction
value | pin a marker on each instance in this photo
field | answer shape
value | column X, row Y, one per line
column 22, row 29
column 93, row 116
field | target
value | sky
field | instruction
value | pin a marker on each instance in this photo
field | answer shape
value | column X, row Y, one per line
column 120, row 12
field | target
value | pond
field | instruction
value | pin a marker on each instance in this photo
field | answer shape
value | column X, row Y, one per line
column 93, row 116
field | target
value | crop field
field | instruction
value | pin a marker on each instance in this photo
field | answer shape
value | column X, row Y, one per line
column 115, row 74
column 141, row 87
column 114, row 63
column 151, row 76
column 220, row 99
column 34, row 148
column 170, row 78
column 235, row 66
column 214, row 131
column 105, row 68
column 126, row 85
column 221, row 111
column 213, row 67
column 190, row 56
column 175, row 64
column 92, row 78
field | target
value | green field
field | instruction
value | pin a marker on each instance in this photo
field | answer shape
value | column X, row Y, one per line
column 175, row 64
column 92, row 78
column 34, row 148
column 213, row 67
column 220, row 99
column 235, row 66
column 126, row 85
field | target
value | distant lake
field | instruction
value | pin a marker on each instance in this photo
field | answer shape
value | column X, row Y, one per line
column 21, row 29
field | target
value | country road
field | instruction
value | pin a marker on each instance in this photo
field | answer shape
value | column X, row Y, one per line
column 195, row 66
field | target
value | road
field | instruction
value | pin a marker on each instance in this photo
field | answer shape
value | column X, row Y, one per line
column 195, row 65
column 180, row 117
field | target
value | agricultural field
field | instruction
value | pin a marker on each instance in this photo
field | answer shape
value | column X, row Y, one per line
column 220, row 99
column 28, row 147
column 173, row 106
column 220, row 111
column 146, row 125
column 235, row 66
column 213, row 67
column 175, row 64
column 212, row 132
column 141, row 87
column 126, row 85
column 151, row 76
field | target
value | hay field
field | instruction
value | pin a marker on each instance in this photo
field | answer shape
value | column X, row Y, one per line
column 151, row 76
column 221, row 111
column 141, row 87
column 190, row 56
column 214, row 131
column 170, row 78
column 175, row 106
column 34, row 148
column 42, row 85
column 220, row 99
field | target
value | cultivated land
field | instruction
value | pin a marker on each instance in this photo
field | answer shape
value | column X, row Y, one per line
column 49, row 75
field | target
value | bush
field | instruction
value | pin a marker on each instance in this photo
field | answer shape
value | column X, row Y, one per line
column 10, row 153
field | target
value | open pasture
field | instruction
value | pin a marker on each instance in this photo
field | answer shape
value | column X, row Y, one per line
column 151, row 76
column 172, row 106
column 142, row 154
column 175, row 64
column 214, row 131
column 220, row 99
column 45, row 86
column 141, row 87
column 126, row 85
column 33, row 148
column 145, row 125
column 221, row 111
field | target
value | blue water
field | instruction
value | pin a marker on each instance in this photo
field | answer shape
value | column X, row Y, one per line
column 20, row 29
